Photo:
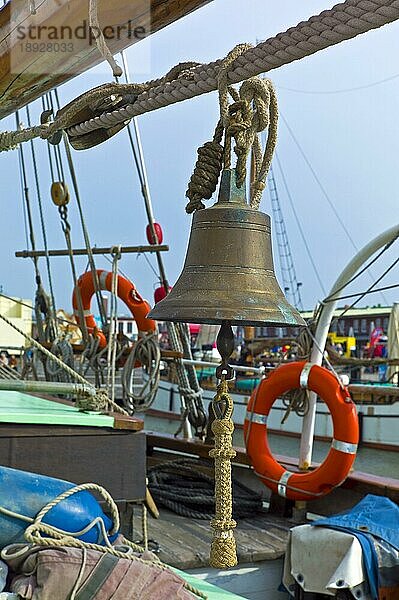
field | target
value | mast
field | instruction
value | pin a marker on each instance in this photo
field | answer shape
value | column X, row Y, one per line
column 291, row 285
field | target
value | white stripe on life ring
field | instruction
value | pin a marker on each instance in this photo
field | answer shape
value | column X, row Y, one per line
column 282, row 484
column 304, row 376
column 102, row 280
column 86, row 313
column 254, row 417
column 346, row 447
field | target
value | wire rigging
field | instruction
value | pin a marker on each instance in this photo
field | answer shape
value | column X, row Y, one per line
column 28, row 207
column 66, row 227
column 24, row 211
column 342, row 91
column 41, row 299
column 323, row 190
column 331, row 298
column 43, row 226
column 369, row 289
column 190, row 391
column 381, row 289
column 292, row 204
column 72, row 173
column 287, row 266
column 319, row 183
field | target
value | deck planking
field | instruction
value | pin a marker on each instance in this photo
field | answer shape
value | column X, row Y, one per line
column 184, row 543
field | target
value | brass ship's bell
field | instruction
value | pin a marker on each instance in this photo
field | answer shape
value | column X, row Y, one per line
column 228, row 274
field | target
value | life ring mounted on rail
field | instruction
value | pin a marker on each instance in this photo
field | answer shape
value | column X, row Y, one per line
column 126, row 291
column 336, row 466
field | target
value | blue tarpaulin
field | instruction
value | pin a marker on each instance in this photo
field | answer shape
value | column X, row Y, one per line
column 374, row 518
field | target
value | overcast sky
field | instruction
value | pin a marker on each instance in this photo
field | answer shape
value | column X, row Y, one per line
column 350, row 139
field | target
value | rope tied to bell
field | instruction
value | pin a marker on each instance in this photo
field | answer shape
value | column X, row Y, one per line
column 205, row 177
column 254, row 109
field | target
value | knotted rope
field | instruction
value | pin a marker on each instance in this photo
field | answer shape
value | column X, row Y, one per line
column 254, row 109
column 223, row 552
column 204, row 180
column 43, row 534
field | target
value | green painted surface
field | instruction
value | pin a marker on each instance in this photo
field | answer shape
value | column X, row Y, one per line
column 212, row 591
column 247, row 385
column 16, row 407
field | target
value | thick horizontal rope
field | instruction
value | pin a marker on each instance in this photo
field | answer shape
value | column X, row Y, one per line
column 9, row 140
column 342, row 22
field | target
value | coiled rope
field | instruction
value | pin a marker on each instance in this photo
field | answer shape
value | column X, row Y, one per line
column 182, row 487
column 60, row 348
column 147, row 353
column 204, row 180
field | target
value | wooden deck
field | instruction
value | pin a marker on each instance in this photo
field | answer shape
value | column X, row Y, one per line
column 184, row 543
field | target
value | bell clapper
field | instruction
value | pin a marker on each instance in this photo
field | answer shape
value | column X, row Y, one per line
column 225, row 346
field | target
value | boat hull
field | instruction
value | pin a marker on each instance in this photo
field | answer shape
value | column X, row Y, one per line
column 378, row 422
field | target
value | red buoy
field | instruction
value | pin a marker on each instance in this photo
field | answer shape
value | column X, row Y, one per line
column 160, row 293
column 158, row 234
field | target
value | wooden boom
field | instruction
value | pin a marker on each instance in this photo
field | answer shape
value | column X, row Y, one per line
column 44, row 43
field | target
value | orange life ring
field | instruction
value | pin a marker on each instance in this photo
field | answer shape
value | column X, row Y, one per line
column 337, row 464
column 126, row 292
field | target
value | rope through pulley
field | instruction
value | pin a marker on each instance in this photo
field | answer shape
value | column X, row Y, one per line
column 343, row 21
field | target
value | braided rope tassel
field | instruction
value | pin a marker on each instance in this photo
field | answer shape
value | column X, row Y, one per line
column 223, row 552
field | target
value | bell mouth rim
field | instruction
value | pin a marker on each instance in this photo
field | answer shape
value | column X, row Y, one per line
column 233, row 322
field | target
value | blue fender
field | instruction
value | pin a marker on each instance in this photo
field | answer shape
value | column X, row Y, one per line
column 26, row 494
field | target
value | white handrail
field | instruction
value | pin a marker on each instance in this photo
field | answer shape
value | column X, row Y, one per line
column 323, row 326
column 240, row 368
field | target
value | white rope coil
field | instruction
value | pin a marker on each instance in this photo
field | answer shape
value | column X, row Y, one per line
column 147, row 353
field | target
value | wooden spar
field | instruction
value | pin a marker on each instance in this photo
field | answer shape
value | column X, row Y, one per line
column 95, row 250
column 27, row 73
